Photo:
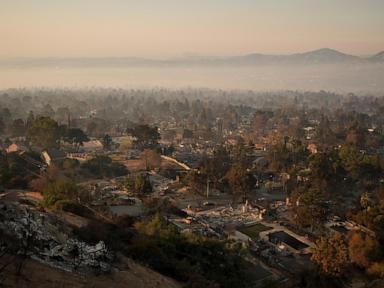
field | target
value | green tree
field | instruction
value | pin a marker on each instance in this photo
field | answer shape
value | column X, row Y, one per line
column 324, row 134
column 6, row 115
column 17, row 128
column 327, row 172
column 216, row 167
column 311, row 209
column 59, row 191
column 287, row 153
column 155, row 226
column 45, row 133
column 47, row 111
column 351, row 159
column 2, row 126
column 76, row 137
column 358, row 165
column 103, row 166
column 240, row 181
column 15, row 171
column 138, row 184
column 107, row 142
column 30, row 119
column 195, row 260
column 356, row 135
column 146, row 136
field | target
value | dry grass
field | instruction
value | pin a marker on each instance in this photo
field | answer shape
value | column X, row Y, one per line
column 38, row 275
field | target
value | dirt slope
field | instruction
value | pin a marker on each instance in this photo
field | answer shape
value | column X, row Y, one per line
column 38, row 275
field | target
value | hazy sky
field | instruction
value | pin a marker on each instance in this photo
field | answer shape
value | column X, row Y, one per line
column 165, row 28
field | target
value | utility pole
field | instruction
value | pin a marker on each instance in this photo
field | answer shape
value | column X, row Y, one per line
column 207, row 187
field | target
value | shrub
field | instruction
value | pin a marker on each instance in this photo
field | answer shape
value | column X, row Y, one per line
column 193, row 259
column 138, row 184
column 377, row 269
column 102, row 166
column 60, row 190
column 73, row 207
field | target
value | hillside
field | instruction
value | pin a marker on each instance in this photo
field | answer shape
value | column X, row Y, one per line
column 377, row 57
column 38, row 275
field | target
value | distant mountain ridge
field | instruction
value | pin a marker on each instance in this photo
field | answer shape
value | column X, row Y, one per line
column 378, row 57
column 324, row 55
column 319, row 56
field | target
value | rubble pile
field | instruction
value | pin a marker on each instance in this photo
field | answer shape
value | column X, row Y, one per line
column 193, row 225
column 224, row 215
column 212, row 222
column 43, row 238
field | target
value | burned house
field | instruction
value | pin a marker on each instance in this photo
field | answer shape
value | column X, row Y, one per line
column 53, row 156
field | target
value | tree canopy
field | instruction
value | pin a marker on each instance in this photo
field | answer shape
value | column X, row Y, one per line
column 146, row 136
column 75, row 136
column 45, row 132
column 331, row 255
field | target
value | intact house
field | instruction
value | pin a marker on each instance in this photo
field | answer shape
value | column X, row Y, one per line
column 16, row 148
column 92, row 146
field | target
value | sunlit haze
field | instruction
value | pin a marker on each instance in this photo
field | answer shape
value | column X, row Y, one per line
column 171, row 28
column 192, row 143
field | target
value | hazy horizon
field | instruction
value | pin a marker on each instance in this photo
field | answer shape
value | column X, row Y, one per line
column 342, row 79
column 188, row 55
column 175, row 29
column 170, row 28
